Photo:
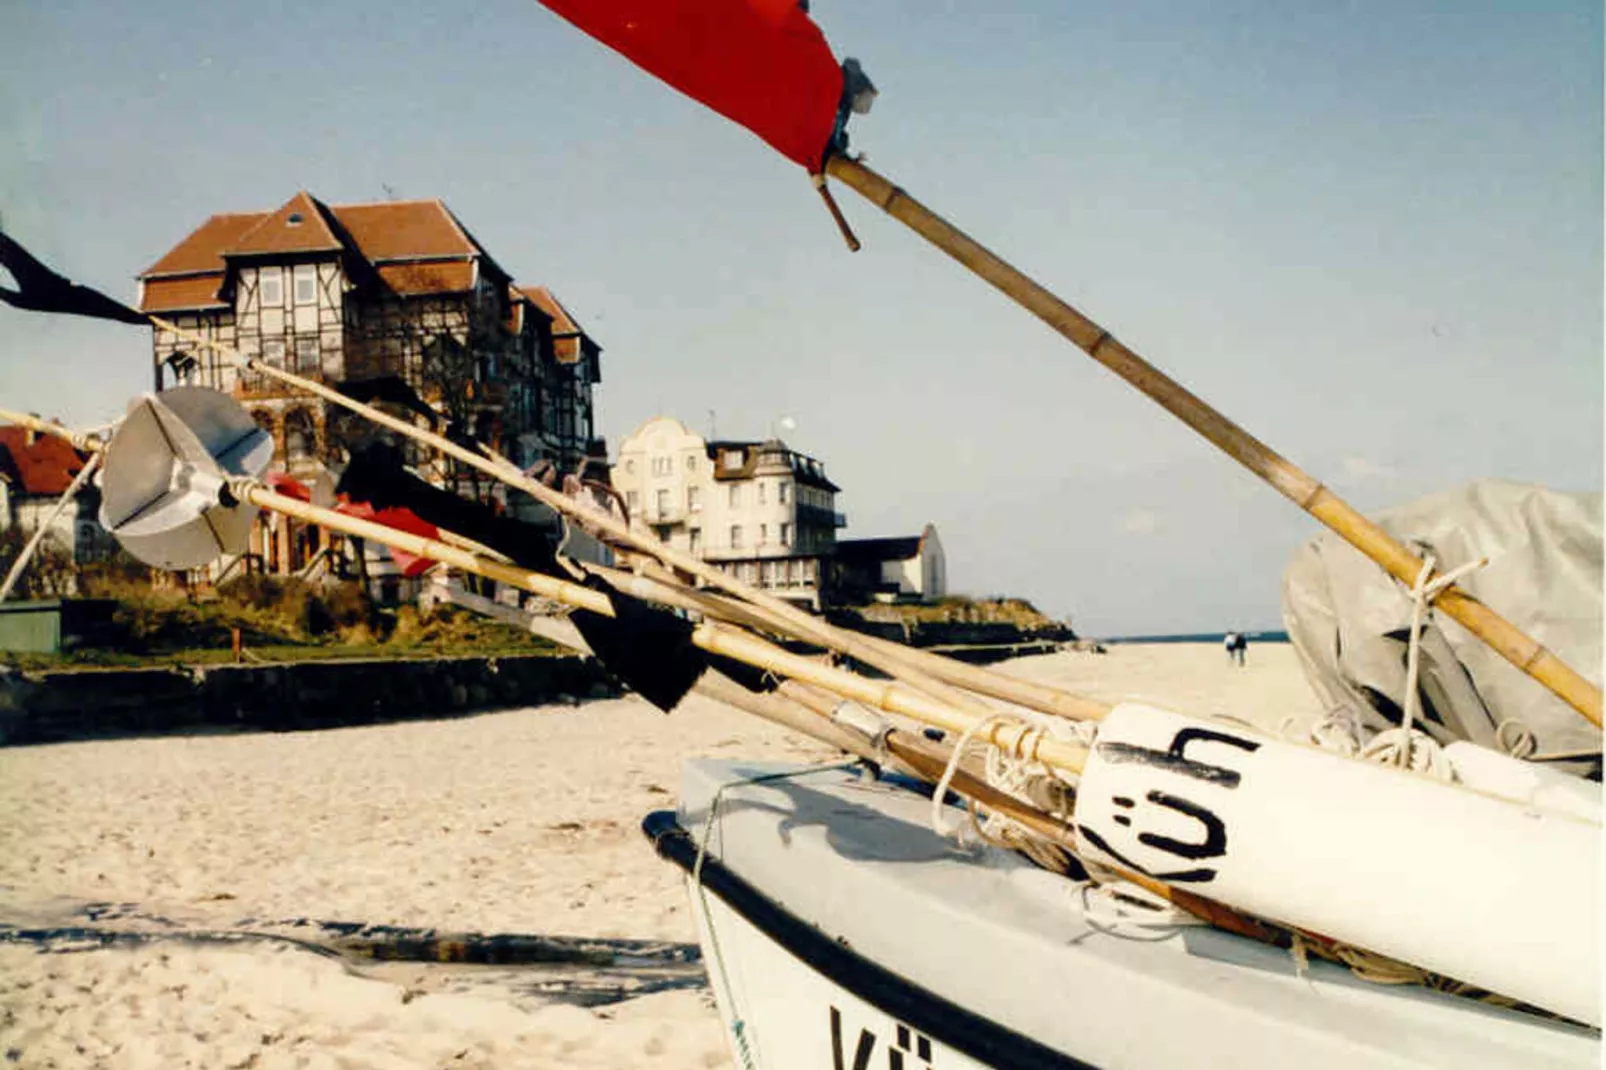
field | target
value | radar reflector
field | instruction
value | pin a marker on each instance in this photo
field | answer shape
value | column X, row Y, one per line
column 164, row 484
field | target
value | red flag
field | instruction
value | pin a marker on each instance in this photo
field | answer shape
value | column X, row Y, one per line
column 761, row 63
column 289, row 486
column 402, row 520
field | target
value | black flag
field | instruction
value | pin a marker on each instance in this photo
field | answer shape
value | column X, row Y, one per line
column 42, row 290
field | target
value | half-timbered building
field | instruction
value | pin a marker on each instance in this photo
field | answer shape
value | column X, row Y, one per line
column 396, row 290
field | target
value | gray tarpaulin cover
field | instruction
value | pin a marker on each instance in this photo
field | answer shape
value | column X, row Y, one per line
column 1349, row 621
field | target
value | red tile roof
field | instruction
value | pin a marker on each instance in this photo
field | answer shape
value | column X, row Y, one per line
column 562, row 322
column 203, row 249
column 46, row 467
column 297, row 227
column 568, row 337
column 405, row 230
column 415, row 247
column 182, row 293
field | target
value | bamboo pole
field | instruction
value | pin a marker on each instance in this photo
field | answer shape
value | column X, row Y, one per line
column 1292, row 482
column 891, row 696
column 86, row 442
column 994, row 685
column 782, row 615
column 569, row 594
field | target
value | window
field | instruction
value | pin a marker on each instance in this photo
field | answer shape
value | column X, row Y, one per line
column 761, row 492
column 694, row 498
column 630, row 466
column 270, row 286
column 696, row 540
column 307, row 355
column 632, row 501
column 730, row 459
column 273, row 352
column 306, row 278
column 736, row 495
column 786, row 534
column 763, row 534
column 736, row 536
column 780, row 493
column 662, row 502
column 663, row 466
column 691, row 463
column 300, row 436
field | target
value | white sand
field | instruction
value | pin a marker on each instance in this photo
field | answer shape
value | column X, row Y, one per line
column 522, row 821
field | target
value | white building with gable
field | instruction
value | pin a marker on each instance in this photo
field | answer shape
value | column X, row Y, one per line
column 760, row 510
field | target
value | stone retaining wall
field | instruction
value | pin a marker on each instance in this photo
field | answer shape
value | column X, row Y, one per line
column 48, row 707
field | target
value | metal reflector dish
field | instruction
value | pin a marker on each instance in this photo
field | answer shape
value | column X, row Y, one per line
column 164, row 482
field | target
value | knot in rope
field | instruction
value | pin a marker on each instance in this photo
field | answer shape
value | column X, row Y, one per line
column 1014, row 766
column 1410, row 749
column 1426, row 588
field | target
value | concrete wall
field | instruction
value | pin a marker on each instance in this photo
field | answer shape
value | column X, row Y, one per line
column 52, row 707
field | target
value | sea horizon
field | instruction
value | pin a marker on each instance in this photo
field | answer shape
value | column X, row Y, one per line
column 1272, row 635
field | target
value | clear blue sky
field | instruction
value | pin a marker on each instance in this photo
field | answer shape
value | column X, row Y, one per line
column 1369, row 232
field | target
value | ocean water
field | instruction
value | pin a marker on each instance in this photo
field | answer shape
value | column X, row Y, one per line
column 1197, row 637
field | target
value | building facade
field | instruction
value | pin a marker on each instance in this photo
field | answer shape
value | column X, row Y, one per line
column 758, row 510
column 394, row 292
column 903, row 569
column 35, row 471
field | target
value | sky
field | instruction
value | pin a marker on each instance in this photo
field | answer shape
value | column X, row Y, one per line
column 1369, row 233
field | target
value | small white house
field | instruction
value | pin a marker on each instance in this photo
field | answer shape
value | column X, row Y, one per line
column 902, row 569
column 35, row 470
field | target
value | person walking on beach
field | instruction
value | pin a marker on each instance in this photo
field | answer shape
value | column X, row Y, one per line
column 1229, row 642
column 1240, row 646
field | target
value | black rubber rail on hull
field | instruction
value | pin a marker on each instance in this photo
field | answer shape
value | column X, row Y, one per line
column 948, row 1023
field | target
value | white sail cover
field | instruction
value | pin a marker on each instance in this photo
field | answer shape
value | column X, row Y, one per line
column 1349, row 620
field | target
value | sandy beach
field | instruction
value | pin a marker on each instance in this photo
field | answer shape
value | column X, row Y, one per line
column 521, row 821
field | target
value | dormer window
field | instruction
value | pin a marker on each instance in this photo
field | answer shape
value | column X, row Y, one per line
column 294, row 219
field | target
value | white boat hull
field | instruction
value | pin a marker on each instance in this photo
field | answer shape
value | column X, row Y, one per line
column 840, row 932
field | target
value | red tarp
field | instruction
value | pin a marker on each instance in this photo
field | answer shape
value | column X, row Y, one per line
column 761, row 63
column 400, row 519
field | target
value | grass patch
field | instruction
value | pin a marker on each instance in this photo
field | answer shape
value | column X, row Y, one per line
column 961, row 609
column 280, row 620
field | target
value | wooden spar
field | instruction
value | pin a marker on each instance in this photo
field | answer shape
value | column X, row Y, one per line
column 894, row 697
column 87, row 443
column 570, row 594
column 1292, row 482
column 778, row 709
column 1028, row 693
column 783, row 616
column 890, row 696
column 997, row 685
